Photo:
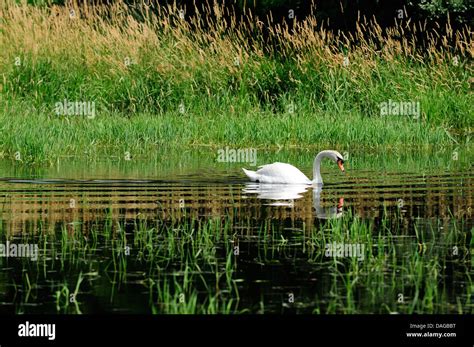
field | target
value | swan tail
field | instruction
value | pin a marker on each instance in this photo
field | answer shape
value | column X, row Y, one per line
column 251, row 174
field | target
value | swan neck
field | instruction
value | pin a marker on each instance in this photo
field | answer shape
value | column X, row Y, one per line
column 317, row 179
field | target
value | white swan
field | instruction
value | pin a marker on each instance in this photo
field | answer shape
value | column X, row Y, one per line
column 288, row 174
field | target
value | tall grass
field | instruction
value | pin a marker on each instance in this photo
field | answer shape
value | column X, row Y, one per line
column 214, row 78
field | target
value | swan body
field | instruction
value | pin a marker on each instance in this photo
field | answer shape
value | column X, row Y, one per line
column 282, row 173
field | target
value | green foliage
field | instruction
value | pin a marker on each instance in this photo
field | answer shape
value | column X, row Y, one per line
column 458, row 10
column 185, row 88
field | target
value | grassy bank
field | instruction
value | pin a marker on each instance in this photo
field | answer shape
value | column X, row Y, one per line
column 156, row 79
column 41, row 137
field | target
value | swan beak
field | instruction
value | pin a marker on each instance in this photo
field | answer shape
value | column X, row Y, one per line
column 341, row 166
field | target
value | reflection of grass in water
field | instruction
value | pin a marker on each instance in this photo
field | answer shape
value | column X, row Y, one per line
column 303, row 95
column 189, row 266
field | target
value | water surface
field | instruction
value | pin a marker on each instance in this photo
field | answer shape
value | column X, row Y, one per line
column 182, row 232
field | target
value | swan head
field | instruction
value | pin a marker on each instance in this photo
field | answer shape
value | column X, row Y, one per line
column 338, row 159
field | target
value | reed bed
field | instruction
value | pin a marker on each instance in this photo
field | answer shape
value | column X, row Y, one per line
column 159, row 76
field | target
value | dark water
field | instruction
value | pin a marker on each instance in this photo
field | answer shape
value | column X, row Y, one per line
column 412, row 214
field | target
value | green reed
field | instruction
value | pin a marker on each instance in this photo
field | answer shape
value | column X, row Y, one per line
column 164, row 83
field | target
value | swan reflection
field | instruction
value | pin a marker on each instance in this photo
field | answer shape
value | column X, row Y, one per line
column 283, row 194
column 286, row 194
column 326, row 212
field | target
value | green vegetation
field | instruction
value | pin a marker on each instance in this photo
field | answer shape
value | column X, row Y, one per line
column 190, row 266
column 157, row 80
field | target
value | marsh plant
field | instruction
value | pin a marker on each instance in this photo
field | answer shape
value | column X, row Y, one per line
column 215, row 265
column 214, row 78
